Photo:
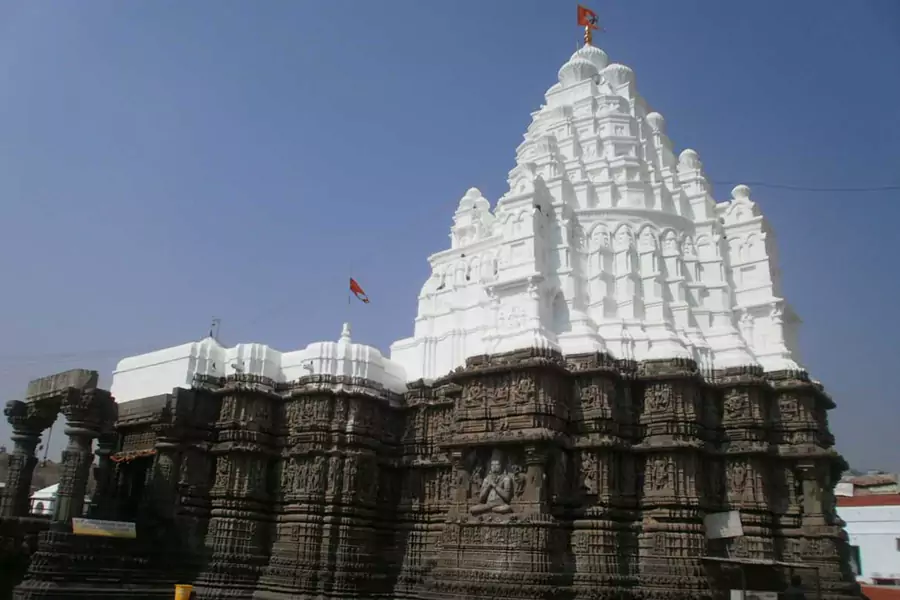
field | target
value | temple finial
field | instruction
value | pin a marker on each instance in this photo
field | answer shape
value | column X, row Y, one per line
column 587, row 19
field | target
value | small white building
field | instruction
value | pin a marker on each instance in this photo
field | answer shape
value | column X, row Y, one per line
column 873, row 526
column 161, row 371
column 43, row 501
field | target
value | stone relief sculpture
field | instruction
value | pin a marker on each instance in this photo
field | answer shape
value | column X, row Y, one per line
column 496, row 488
column 659, row 475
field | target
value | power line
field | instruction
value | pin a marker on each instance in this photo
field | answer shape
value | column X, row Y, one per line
column 800, row 188
column 9, row 361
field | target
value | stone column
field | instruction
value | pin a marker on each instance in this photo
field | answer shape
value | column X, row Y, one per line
column 103, row 501
column 82, row 426
column 536, row 495
column 461, row 482
column 28, row 421
column 811, row 482
column 165, row 472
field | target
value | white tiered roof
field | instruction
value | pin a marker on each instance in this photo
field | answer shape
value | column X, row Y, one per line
column 160, row 372
column 606, row 241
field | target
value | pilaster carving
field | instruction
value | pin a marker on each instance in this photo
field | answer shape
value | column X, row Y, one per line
column 84, row 414
column 26, row 433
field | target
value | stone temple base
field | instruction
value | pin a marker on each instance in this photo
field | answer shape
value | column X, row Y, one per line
column 598, row 474
column 67, row 566
column 503, row 558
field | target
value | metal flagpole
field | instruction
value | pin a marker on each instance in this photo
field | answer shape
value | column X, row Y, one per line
column 349, row 291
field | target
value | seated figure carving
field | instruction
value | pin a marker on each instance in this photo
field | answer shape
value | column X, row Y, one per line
column 496, row 489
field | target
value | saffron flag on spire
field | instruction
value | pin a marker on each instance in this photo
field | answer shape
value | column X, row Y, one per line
column 587, row 18
column 358, row 291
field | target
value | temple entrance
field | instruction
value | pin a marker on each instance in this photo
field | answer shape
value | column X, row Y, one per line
column 132, row 484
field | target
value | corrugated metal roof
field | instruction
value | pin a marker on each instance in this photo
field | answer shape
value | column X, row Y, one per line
column 869, row 500
column 881, row 592
column 870, row 480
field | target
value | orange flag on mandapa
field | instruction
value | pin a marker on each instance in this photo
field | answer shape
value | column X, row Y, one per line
column 358, row 291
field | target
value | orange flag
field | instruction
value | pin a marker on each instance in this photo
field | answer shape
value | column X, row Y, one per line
column 587, row 18
column 358, row 291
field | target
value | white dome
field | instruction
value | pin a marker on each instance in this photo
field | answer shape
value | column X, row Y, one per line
column 740, row 192
column 595, row 55
column 689, row 159
column 618, row 75
column 576, row 70
column 656, row 122
column 473, row 199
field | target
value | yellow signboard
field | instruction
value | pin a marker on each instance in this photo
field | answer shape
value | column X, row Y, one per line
column 116, row 529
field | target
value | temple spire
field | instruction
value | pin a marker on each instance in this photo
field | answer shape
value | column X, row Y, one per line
column 587, row 19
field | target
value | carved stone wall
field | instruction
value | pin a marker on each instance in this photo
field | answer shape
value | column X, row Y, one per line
column 519, row 476
column 244, row 453
column 331, row 521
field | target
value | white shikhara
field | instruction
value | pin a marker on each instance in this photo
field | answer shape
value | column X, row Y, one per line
column 605, row 242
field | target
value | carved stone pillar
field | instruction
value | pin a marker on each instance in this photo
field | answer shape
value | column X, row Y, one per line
column 462, row 481
column 82, row 426
column 166, row 468
column 536, row 496
column 28, row 420
column 810, row 478
column 103, row 501
column 21, row 462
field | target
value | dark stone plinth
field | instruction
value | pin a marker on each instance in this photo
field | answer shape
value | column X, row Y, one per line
column 521, row 475
column 68, row 566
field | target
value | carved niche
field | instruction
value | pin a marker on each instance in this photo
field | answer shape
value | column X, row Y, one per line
column 597, row 395
column 498, row 391
column 737, row 405
column 659, row 398
column 560, row 472
column 715, row 471
column 789, row 408
column 522, row 389
column 474, row 394
column 603, row 474
column 738, row 481
column 496, row 479
column 589, row 472
column 659, row 476
column 222, row 480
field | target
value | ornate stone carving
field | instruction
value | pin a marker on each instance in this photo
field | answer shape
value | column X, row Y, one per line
column 497, row 487
column 736, row 404
column 659, row 398
column 522, row 389
column 659, row 475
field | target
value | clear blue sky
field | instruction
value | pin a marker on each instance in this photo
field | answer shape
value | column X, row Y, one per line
column 165, row 161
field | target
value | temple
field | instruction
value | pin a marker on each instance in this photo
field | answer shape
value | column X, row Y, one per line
column 600, row 366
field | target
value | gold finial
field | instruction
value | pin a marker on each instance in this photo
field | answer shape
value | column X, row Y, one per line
column 588, row 19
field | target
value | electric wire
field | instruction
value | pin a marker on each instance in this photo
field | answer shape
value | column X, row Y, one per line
column 11, row 361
